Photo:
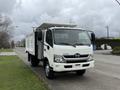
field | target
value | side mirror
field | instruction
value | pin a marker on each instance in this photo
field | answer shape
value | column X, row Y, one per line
column 93, row 38
column 39, row 35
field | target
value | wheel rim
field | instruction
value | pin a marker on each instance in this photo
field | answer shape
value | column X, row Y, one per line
column 47, row 69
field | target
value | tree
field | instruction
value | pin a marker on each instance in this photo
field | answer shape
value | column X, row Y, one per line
column 12, row 44
column 5, row 22
column 4, row 40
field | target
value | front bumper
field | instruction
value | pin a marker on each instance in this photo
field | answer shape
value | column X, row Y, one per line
column 60, row 67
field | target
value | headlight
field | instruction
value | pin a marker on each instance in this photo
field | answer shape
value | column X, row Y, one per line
column 59, row 59
column 90, row 57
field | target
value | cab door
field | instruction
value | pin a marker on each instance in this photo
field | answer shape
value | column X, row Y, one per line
column 48, row 46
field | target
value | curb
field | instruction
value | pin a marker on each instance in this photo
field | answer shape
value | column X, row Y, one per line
column 38, row 75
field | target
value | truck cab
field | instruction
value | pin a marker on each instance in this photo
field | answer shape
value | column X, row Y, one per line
column 62, row 48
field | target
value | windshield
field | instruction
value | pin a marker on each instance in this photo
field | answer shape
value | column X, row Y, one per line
column 71, row 37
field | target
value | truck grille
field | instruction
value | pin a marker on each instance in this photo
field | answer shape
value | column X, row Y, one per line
column 73, row 56
column 76, row 58
column 76, row 61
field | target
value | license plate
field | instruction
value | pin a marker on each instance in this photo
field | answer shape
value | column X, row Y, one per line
column 77, row 64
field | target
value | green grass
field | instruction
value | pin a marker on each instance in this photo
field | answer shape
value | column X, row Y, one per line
column 15, row 75
column 6, row 50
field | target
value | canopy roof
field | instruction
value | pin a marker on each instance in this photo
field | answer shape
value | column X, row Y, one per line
column 49, row 25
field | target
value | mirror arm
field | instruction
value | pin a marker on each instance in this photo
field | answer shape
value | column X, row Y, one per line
column 44, row 43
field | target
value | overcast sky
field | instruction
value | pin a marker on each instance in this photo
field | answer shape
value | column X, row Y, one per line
column 88, row 14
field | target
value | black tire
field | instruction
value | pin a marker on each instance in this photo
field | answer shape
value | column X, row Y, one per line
column 28, row 57
column 48, row 71
column 34, row 61
column 80, row 72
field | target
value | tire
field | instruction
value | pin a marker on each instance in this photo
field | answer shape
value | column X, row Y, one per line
column 80, row 72
column 28, row 57
column 48, row 71
column 34, row 61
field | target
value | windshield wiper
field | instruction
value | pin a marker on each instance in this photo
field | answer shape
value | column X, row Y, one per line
column 80, row 44
column 64, row 43
column 67, row 44
column 74, row 45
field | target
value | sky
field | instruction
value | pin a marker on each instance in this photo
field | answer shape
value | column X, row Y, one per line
column 92, row 15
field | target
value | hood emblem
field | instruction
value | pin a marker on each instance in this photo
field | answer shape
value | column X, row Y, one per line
column 77, row 55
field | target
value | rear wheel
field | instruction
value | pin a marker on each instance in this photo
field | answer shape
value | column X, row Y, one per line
column 80, row 72
column 34, row 61
column 48, row 71
column 28, row 57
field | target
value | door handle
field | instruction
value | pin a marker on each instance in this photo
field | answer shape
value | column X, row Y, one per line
column 44, row 49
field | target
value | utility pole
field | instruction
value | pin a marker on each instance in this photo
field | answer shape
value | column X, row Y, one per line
column 107, row 27
column 119, row 34
column 119, row 5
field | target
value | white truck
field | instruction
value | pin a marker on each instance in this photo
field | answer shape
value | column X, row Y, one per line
column 61, row 48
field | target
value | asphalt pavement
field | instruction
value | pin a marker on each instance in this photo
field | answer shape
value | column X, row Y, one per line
column 105, row 75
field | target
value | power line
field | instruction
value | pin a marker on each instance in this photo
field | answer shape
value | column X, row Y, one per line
column 118, row 2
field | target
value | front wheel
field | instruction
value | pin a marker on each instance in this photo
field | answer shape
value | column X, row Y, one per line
column 48, row 71
column 80, row 72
